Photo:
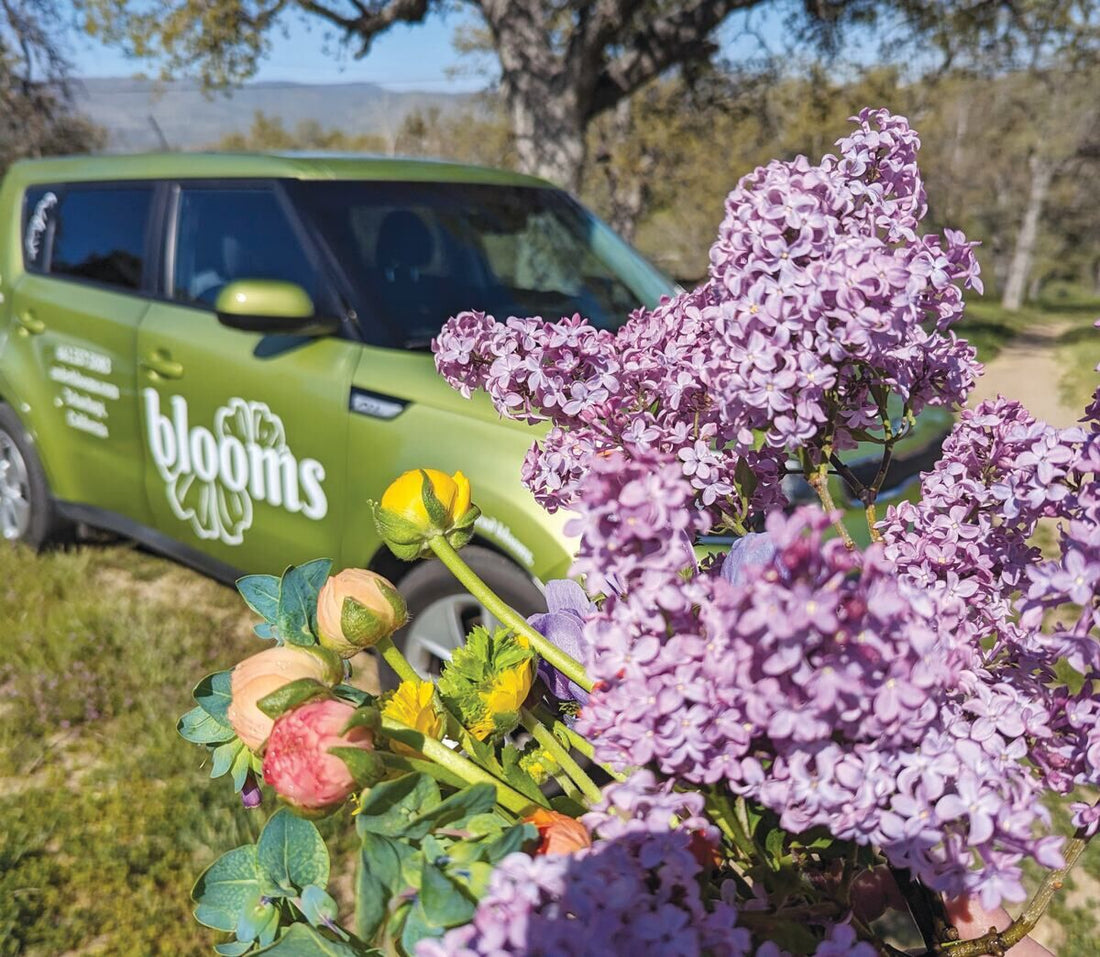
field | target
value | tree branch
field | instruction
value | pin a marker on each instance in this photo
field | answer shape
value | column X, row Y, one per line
column 372, row 19
column 676, row 38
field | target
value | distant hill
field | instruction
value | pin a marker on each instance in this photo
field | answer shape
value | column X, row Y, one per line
column 188, row 119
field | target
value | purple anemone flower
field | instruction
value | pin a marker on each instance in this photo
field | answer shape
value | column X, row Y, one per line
column 563, row 624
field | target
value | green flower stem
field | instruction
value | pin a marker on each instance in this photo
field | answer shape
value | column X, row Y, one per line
column 398, row 762
column 547, row 740
column 568, row 787
column 454, row 763
column 506, row 615
column 577, row 742
column 397, row 661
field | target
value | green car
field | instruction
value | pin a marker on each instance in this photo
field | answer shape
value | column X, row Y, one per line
column 224, row 357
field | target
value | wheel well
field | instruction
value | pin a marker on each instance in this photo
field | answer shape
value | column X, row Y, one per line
column 385, row 563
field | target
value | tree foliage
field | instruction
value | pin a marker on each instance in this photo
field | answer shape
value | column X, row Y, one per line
column 36, row 115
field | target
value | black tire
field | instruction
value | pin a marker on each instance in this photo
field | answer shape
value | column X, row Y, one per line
column 28, row 513
column 439, row 605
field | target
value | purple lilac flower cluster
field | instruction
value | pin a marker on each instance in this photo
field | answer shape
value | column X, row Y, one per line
column 635, row 891
column 817, row 305
column 810, row 678
column 1001, row 474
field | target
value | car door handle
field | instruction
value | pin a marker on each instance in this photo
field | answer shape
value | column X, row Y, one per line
column 30, row 323
column 160, row 366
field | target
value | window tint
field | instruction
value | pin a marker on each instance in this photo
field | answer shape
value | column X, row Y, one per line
column 99, row 234
column 227, row 234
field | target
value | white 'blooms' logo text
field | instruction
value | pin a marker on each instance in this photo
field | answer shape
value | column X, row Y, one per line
column 212, row 477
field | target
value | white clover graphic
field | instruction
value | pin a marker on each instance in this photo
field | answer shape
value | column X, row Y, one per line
column 214, row 510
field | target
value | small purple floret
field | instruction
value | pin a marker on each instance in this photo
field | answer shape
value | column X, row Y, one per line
column 251, row 796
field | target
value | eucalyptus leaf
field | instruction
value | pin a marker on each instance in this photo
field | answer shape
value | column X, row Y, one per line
column 510, row 841
column 200, row 727
column 417, row 927
column 318, row 906
column 233, row 948
column 292, row 853
column 371, row 902
column 389, row 808
column 301, row 940
column 297, row 614
column 470, row 801
column 223, row 757
column 261, row 594
column 265, row 630
column 242, row 764
column 213, row 695
column 225, row 887
column 258, row 920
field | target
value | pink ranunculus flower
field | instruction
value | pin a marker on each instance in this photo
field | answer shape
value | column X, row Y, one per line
column 260, row 674
column 297, row 762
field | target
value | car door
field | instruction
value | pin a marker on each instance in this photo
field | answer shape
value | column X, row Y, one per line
column 78, row 306
column 245, row 432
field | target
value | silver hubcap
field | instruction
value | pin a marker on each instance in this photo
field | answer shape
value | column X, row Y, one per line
column 15, row 490
column 440, row 628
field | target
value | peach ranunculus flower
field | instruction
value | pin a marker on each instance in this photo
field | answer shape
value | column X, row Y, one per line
column 356, row 609
column 259, row 675
column 424, row 503
column 558, row 833
column 298, row 763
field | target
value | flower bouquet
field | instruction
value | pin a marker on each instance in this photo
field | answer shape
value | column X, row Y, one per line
column 750, row 749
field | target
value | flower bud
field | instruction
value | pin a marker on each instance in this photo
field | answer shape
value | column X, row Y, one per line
column 298, row 762
column 424, row 503
column 558, row 833
column 356, row 609
column 260, row 674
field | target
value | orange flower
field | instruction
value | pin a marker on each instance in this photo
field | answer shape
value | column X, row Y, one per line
column 558, row 833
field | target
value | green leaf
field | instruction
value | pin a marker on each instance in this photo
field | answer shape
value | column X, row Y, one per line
column 225, row 887
column 470, row 801
column 292, row 853
column 233, row 948
column 393, row 862
column 301, row 940
column 445, row 903
column 372, row 899
column 290, row 695
column 389, row 808
column 240, row 767
column 223, row 757
column 317, row 906
column 417, row 927
column 259, row 920
column 265, row 630
column 366, row 767
column 510, row 841
column 213, row 695
column 261, row 594
column 200, row 727
column 297, row 614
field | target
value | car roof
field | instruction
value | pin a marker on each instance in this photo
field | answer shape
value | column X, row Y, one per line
column 304, row 166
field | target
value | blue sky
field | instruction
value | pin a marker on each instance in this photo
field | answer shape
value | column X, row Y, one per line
column 420, row 57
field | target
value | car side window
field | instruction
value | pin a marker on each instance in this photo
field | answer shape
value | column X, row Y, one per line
column 228, row 234
column 96, row 233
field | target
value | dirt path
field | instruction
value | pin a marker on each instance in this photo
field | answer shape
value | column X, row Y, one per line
column 1027, row 370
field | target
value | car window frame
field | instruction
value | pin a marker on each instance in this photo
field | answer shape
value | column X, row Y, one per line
column 63, row 188
column 328, row 304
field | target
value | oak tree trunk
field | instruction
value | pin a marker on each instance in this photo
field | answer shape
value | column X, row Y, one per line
column 1042, row 172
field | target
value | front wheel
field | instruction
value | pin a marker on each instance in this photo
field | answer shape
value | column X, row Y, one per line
column 442, row 612
column 27, row 511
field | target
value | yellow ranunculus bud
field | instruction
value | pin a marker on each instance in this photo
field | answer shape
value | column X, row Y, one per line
column 413, row 704
column 356, row 609
column 424, row 503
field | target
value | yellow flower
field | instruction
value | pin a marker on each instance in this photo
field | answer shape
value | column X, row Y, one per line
column 424, row 503
column 504, row 698
column 413, row 704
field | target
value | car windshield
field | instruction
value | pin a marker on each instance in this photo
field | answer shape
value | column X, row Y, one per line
column 417, row 253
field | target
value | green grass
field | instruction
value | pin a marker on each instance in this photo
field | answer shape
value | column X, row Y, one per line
column 989, row 328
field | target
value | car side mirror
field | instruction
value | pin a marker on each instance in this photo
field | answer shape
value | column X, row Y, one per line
column 270, row 305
